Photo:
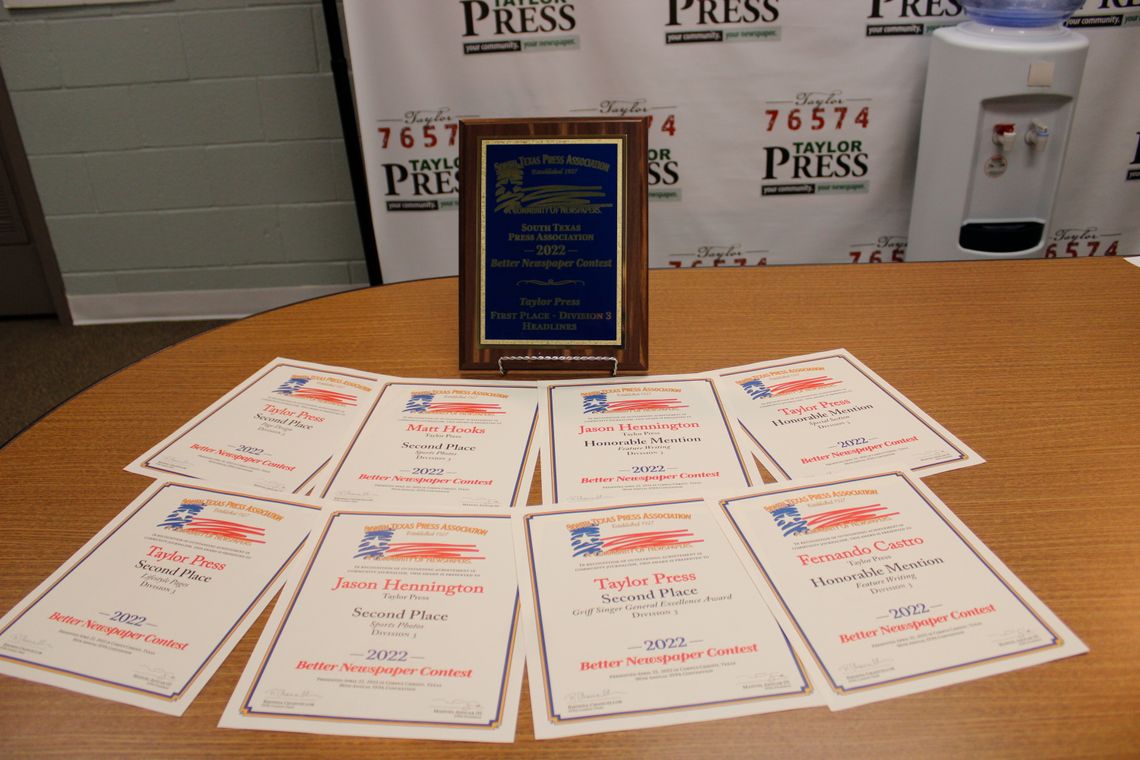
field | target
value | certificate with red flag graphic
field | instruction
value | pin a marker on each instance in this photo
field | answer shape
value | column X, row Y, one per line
column 884, row 590
column 639, row 615
column 147, row 610
column 827, row 414
column 396, row 623
column 440, row 442
column 277, row 431
column 661, row 437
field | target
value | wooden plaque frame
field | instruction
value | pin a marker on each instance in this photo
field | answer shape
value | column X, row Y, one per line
column 628, row 350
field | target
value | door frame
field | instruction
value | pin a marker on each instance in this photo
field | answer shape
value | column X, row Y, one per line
column 28, row 200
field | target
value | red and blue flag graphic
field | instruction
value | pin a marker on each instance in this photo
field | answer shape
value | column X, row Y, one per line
column 298, row 387
column 791, row 522
column 589, row 540
column 599, row 403
column 757, row 389
column 425, row 403
column 378, row 544
column 188, row 519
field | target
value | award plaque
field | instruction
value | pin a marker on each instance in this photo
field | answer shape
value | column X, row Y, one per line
column 553, row 241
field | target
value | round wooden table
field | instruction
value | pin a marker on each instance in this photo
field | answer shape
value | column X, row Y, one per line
column 1033, row 363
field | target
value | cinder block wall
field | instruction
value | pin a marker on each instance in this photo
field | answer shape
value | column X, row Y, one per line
column 186, row 145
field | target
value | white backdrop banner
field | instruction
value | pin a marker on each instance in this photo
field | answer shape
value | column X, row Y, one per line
column 783, row 131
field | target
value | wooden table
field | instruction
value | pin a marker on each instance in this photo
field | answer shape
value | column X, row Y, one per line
column 1033, row 363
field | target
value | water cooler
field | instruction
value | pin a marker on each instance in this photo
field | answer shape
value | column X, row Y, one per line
column 1000, row 94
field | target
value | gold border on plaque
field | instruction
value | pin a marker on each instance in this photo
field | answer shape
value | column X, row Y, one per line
column 619, row 261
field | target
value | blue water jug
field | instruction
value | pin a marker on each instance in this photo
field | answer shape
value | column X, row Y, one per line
column 1021, row 13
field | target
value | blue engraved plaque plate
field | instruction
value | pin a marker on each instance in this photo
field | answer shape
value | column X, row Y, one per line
column 550, row 250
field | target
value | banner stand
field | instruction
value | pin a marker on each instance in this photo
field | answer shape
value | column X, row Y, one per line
column 348, row 122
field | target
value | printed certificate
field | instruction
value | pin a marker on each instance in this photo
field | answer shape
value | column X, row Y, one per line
column 640, row 615
column 436, row 442
column 827, row 415
column 889, row 592
column 399, row 624
column 146, row 611
column 275, row 432
column 662, row 437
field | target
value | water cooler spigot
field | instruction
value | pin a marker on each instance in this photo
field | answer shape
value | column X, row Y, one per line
column 1037, row 136
column 1005, row 136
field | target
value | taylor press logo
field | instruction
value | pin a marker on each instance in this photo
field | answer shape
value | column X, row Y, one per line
column 664, row 168
column 693, row 21
column 516, row 26
column 591, row 540
column 187, row 518
column 1074, row 242
column 1120, row 13
column 792, row 522
column 719, row 256
column 886, row 248
column 420, row 166
column 895, row 18
column 817, row 144
column 298, row 387
column 382, row 543
column 427, row 403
